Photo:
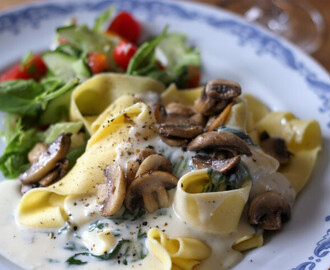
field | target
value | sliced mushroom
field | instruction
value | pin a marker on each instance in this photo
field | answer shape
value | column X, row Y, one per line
column 220, row 165
column 132, row 168
column 221, row 89
column 209, row 106
column 184, row 131
column 112, row 194
column 144, row 153
column 219, row 140
column 47, row 160
column 174, row 142
column 216, row 95
column 179, row 109
column 155, row 162
column 36, row 151
column 197, row 119
column 276, row 147
column 269, row 210
column 150, row 190
column 56, row 174
column 159, row 112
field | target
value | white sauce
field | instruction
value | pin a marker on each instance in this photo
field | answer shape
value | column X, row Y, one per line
column 33, row 248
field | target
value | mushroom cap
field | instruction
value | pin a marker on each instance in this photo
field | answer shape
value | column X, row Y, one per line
column 220, row 165
column 219, row 140
column 144, row 153
column 269, row 210
column 149, row 190
column 184, row 131
column 115, row 190
column 47, row 161
column 179, row 109
column 56, row 174
column 221, row 89
column 36, row 151
column 154, row 162
column 174, row 142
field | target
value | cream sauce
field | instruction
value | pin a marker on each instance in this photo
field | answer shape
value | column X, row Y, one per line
column 35, row 248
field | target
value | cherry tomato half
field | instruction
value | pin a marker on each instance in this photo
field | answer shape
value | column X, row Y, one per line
column 97, row 62
column 35, row 68
column 123, row 53
column 126, row 26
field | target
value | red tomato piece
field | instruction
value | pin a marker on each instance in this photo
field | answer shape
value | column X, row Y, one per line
column 126, row 26
column 97, row 62
column 123, row 53
column 35, row 68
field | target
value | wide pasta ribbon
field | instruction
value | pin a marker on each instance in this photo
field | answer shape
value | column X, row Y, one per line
column 44, row 207
column 94, row 96
column 177, row 253
column 213, row 212
column 303, row 138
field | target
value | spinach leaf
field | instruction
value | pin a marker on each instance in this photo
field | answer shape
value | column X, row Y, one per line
column 244, row 136
column 233, row 180
column 216, row 183
column 107, row 256
column 237, row 178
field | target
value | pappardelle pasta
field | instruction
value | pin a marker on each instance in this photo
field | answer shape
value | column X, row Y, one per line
column 170, row 179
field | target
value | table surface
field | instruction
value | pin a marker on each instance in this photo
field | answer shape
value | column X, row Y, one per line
column 322, row 55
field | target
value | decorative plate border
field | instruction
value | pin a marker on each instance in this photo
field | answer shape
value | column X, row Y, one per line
column 320, row 251
column 246, row 33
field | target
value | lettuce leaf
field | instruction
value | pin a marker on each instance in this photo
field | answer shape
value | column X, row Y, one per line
column 169, row 50
column 14, row 159
column 27, row 97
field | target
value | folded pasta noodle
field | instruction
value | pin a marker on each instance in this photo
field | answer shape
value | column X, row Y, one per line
column 177, row 253
column 213, row 212
column 90, row 99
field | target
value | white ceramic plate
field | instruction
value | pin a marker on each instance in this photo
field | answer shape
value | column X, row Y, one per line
column 265, row 65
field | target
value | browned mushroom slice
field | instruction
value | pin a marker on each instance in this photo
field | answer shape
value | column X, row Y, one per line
column 132, row 168
column 276, row 147
column 219, row 140
column 36, row 151
column 112, row 193
column 155, row 162
column 159, row 112
column 179, row 109
column 144, row 153
column 47, row 160
column 56, row 174
column 174, row 142
column 223, row 166
column 221, row 89
column 184, row 131
column 269, row 210
column 197, row 119
column 209, row 106
column 150, row 190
